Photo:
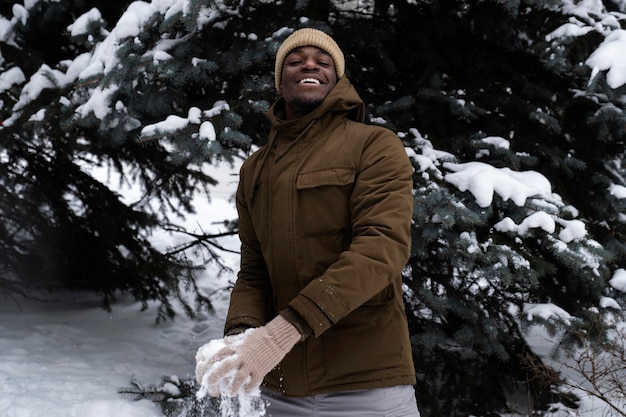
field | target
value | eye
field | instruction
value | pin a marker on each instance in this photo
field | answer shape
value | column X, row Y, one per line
column 294, row 61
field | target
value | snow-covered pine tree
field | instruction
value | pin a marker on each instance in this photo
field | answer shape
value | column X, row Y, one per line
column 123, row 97
column 503, row 91
column 517, row 142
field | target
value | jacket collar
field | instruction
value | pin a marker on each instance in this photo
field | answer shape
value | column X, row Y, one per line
column 343, row 100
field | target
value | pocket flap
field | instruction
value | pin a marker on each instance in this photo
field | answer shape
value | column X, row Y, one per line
column 328, row 176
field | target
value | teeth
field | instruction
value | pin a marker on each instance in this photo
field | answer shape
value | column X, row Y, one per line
column 310, row 80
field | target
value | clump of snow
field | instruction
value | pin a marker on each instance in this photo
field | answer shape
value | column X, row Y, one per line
column 540, row 220
column 618, row 191
column 9, row 78
column 249, row 405
column 20, row 13
column 483, row 180
column 207, row 131
column 98, row 103
column 584, row 9
column 506, row 225
column 547, row 311
column 5, row 31
column 572, row 230
column 41, row 80
column 608, row 302
column 218, row 107
column 610, row 57
column 568, row 30
column 172, row 123
column 592, row 15
column 80, row 25
column 496, row 141
column 619, row 280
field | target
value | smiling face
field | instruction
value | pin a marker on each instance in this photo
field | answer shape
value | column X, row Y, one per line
column 308, row 76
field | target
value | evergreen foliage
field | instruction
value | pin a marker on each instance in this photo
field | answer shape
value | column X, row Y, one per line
column 154, row 101
column 177, row 398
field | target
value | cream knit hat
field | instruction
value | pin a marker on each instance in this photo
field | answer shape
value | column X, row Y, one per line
column 309, row 37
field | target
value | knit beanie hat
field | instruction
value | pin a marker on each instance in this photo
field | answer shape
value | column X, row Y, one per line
column 309, row 37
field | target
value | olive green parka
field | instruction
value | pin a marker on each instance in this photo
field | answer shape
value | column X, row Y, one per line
column 324, row 221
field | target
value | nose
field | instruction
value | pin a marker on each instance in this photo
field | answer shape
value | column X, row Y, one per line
column 310, row 63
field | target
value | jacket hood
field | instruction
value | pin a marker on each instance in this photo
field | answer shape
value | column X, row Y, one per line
column 342, row 99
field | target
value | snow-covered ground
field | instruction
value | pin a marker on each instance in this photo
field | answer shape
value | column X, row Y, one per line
column 68, row 358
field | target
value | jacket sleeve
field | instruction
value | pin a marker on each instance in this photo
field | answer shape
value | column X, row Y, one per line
column 251, row 297
column 381, row 206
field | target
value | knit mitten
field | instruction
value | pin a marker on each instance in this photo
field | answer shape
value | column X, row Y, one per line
column 244, row 360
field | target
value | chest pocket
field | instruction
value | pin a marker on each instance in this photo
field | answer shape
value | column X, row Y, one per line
column 324, row 200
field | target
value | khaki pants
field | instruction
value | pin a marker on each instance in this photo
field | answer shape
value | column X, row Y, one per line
column 398, row 401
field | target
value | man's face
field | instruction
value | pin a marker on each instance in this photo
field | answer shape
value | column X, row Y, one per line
column 307, row 78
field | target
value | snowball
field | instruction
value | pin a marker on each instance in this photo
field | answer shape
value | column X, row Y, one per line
column 249, row 405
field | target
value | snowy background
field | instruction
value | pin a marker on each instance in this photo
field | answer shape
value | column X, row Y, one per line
column 69, row 358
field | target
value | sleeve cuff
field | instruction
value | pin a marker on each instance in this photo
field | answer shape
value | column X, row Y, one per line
column 294, row 318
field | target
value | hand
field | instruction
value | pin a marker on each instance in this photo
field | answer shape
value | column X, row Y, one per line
column 240, row 362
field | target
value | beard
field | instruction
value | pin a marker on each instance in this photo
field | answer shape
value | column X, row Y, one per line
column 303, row 106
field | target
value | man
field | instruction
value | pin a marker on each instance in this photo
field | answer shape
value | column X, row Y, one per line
column 324, row 210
